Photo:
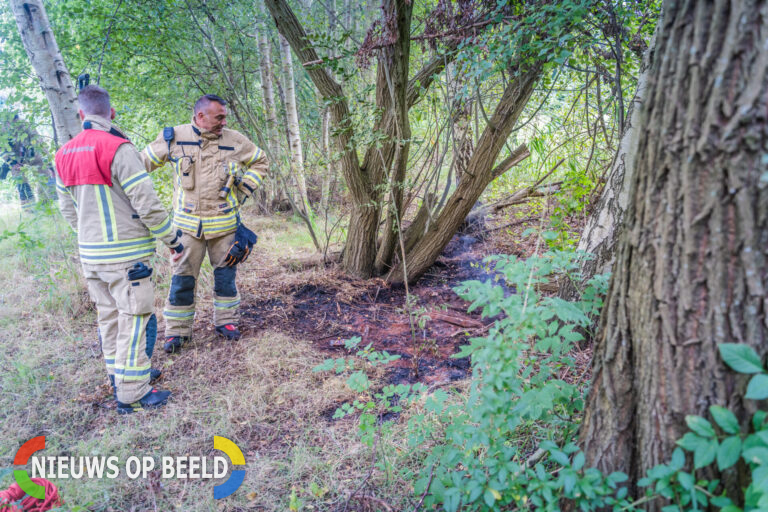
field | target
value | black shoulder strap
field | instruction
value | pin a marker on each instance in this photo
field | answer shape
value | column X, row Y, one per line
column 168, row 135
column 117, row 133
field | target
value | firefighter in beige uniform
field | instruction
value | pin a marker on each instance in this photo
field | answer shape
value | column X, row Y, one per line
column 107, row 197
column 204, row 155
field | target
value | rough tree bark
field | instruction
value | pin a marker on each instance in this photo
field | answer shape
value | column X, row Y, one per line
column 292, row 118
column 480, row 173
column 363, row 181
column 463, row 139
column 603, row 227
column 392, row 156
column 45, row 57
column 690, row 269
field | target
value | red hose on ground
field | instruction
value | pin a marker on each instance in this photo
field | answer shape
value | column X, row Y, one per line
column 30, row 504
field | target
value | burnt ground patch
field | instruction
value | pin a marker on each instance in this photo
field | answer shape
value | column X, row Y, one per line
column 330, row 308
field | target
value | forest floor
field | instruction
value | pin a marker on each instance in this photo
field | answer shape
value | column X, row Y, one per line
column 260, row 391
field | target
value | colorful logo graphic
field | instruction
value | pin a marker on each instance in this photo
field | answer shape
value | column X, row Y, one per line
column 235, row 480
column 20, row 475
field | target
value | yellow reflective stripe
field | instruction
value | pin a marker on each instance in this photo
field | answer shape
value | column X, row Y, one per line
column 162, row 229
column 232, row 195
column 212, row 223
column 254, row 176
column 102, row 209
column 256, row 155
column 152, row 156
column 117, row 257
column 180, row 194
column 134, row 180
column 138, row 332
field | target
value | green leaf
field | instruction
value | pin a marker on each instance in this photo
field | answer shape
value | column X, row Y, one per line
column 678, row 459
column 758, row 419
column 705, row 454
column 758, row 387
column 729, row 452
column 578, row 461
column 721, row 501
column 560, row 458
column 489, row 496
column 742, row 358
column 689, row 441
column 686, row 480
column 756, row 455
column 725, row 419
column 699, row 425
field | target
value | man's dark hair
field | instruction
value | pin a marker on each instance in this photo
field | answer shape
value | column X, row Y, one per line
column 94, row 100
column 206, row 100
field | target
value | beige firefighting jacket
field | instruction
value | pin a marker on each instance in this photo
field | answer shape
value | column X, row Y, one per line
column 203, row 162
column 118, row 224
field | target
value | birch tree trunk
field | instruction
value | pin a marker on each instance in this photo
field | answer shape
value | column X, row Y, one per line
column 294, row 135
column 330, row 171
column 270, row 112
column 690, row 269
column 45, row 57
column 604, row 224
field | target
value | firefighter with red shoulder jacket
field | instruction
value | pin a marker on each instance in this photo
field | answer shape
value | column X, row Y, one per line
column 107, row 197
column 216, row 169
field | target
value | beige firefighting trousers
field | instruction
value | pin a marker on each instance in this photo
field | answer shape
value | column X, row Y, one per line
column 179, row 309
column 124, row 308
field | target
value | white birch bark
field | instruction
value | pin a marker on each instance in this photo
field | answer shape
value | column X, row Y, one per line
column 45, row 57
column 603, row 226
column 292, row 116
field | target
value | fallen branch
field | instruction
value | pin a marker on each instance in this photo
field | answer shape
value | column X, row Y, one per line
column 510, row 224
column 461, row 322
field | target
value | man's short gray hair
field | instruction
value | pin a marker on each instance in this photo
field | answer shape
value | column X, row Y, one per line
column 94, row 101
column 207, row 99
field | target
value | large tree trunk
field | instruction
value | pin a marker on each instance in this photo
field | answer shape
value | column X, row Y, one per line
column 294, row 134
column 393, row 83
column 604, row 224
column 690, row 270
column 480, row 173
column 45, row 57
column 358, row 256
column 363, row 181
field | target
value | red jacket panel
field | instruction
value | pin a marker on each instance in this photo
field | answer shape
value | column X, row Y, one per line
column 87, row 158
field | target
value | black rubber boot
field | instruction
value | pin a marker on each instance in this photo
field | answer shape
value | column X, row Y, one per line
column 173, row 343
column 229, row 331
column 152, row 400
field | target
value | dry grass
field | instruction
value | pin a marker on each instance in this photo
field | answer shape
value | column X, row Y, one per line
column 260, row 392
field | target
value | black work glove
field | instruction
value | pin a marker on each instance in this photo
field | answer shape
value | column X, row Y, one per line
column 241, row 246
column 179, row 248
